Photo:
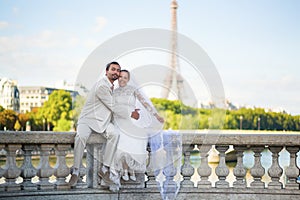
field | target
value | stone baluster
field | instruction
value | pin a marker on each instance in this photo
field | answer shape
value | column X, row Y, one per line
column 2, row 171
column 152, row 173
column 257, row 171
column 275, row 170
column 292, row 171
column 44, row 171
column 12, row 172
column 153, row 170
column 151, row 182
column 204, row 170
column 28, row 171
column 239, row 171
column 171, row 144
column 187, row 170
column 61, row 170
column 222, row 170
column 169, row 185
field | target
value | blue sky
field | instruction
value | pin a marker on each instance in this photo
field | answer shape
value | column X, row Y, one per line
column 254, row 44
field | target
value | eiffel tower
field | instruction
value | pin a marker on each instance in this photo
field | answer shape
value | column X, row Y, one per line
column 173, row 81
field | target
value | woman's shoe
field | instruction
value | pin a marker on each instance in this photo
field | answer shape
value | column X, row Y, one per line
column 132, row 176
column 125, row 176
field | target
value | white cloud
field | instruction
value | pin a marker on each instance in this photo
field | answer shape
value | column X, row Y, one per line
column 31, row 58
column 3, row 24
column 100, row 23
column 46, row 39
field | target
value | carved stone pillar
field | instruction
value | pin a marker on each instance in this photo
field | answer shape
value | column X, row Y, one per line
column 93, row 162
column 239, row 171
column 2, row 171
column 187, row 170
column 28, row 171
column 12, row 172
column 221, row 170
column 275, row 170
column 204, row 170
column 257, row 171
column 44, row 171
column 61, row 170
column 292, row 171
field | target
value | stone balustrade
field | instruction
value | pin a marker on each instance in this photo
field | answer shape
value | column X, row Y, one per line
column 17, row 181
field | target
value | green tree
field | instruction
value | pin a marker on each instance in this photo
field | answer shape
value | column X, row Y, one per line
column 63, row 124
column 179, row 116
column 59, row 104
column 2, row 119
column 217, row 118
column 204, row 121
column 35, row 120
column 1, row 108
column 23, row 118
column 230, row 122
column 8, row 119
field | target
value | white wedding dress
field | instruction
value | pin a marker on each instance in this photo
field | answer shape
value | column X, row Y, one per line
column 132, row 145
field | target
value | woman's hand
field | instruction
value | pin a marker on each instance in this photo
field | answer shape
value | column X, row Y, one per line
column 135, row 114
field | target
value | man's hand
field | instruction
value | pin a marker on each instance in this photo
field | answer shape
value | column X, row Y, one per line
column 135, row 114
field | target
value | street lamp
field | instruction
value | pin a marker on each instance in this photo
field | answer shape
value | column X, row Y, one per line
column 241, row 122
column 258, row 123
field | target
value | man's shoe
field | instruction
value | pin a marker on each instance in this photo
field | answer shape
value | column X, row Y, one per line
column 103, row 184
column 73, row 180
column 104, row 177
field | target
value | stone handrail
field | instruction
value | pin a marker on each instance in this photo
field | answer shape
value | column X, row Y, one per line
column 206, row 140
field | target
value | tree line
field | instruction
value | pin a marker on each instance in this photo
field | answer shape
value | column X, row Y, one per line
column 179, row 116
column 59, row 113
column 56, row 115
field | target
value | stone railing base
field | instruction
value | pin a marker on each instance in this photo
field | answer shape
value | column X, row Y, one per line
column 151, row 194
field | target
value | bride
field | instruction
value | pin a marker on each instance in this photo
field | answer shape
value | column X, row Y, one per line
column 131, row 153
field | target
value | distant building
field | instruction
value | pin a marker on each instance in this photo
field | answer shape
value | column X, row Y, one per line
column 230, row 105
column 9, row 94
column 62, row 84
column 35, row 96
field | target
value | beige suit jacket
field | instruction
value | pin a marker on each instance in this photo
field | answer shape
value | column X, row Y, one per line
column 97, row 111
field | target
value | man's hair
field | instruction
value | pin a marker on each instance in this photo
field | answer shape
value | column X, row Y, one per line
column 111, row 63
column 125, row 70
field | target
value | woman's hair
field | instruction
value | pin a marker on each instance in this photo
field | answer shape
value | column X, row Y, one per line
column 125, row 70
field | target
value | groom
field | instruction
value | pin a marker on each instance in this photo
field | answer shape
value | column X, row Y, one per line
column 96, row 117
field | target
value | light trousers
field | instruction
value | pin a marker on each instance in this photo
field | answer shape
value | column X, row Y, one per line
column 83, row 134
